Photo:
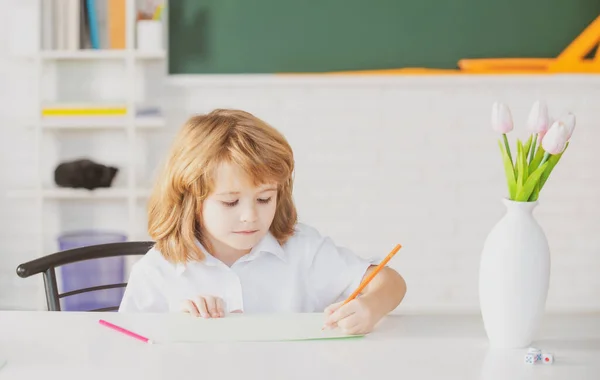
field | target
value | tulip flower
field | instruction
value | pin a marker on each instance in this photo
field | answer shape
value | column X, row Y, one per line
column 502, row 122
column 555, row 140
column 538, row 123
column 501, row 118
column 538, row 120
column 554, row 143
column 540, row 135
column 569, row 122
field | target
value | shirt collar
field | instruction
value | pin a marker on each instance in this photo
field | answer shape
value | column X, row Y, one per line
column 268, row 245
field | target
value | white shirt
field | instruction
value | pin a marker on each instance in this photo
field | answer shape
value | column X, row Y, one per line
column 307, row 274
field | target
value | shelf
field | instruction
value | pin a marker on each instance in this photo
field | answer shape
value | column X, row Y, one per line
column 91, row 54
column 67, row 193
column 150, row 54
column 110, row 99
column 99, row 122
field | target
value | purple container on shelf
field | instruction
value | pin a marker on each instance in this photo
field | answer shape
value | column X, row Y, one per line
column 89, row 273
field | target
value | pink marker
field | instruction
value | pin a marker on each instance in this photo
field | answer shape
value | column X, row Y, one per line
column 124, row 331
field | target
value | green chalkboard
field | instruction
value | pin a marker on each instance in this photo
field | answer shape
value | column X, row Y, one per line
column 283, row 36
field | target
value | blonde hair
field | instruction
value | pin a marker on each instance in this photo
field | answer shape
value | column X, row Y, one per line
column 204, row 142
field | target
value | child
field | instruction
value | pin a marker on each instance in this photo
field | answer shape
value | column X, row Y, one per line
column 227, row 237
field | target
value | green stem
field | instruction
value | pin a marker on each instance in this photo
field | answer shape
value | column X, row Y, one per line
column 532, row 149
column 544, row 159
column 507, row 147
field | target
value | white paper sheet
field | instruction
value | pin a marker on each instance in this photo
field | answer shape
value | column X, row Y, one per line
column 184, row 328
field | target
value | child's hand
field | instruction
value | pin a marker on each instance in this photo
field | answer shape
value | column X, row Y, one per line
column 355, row 317
column 204, row 306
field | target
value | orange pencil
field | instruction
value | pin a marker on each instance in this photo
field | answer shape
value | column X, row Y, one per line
column 372, row 274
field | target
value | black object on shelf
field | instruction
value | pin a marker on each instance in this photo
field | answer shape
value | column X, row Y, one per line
column 84, row 173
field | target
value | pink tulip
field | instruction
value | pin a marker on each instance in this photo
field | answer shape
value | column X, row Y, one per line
column 555, row 140
column 501, row 118
column 569, row 122
column 541, row 134
column 538, row 120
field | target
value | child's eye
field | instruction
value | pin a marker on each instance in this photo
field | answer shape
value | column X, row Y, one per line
column 264, row 201
column 230, row 204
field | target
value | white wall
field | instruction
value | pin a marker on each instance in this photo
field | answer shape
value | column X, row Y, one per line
column 414, row 161
column 15, row 170
column 379, row 162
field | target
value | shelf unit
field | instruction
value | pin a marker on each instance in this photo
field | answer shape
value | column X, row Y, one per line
column 110, row 123
column 131, row 193
column 73, row 194
column 90, row 54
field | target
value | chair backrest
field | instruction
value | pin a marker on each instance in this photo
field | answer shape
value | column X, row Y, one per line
column 48, row 264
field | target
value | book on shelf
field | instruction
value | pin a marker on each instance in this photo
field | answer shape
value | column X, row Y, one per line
column 83, row 24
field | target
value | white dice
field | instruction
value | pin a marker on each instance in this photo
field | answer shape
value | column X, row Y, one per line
column 535, row 355
column 530, row 358
column 547, row 358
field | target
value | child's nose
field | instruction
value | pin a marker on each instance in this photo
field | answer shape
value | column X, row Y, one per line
column 249, row 215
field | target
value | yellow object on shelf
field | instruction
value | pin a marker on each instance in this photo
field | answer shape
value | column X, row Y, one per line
column 100, row 111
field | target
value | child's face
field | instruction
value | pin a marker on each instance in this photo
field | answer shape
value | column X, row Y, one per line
column 236, row 215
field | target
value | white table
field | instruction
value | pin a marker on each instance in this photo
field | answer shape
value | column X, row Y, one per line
column 52, row 345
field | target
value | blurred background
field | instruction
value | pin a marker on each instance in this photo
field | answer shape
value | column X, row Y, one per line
column 383, row 156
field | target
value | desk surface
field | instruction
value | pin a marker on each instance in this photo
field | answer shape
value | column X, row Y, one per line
column 73, row 346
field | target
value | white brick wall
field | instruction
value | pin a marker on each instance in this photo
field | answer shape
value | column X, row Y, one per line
column 379, row 162
column 415, row 161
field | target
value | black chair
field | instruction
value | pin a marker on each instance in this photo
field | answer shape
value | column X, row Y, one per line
column 47, row 265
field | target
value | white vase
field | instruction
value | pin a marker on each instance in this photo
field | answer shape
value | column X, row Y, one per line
column 514, row 275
